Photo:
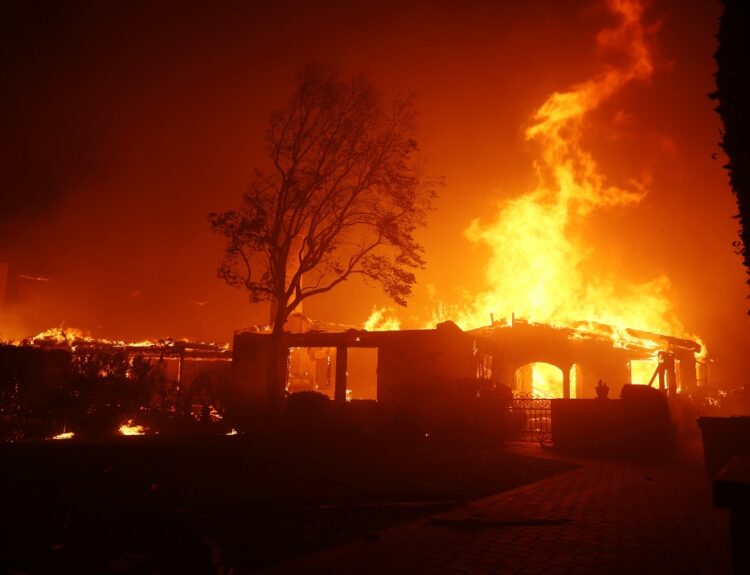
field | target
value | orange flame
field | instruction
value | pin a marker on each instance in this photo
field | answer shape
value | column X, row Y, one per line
column 129, row 428
column 63, row 435
column 536, row 270
column 72, row 337
column 547, row 380
column 379, row 320
column 61, row 336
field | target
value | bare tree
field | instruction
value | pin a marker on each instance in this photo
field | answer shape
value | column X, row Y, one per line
column 341, row 196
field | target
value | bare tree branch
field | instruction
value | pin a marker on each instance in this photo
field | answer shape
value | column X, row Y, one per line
column 342, row 197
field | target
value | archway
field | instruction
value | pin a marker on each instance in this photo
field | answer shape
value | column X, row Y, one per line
column 539, row 379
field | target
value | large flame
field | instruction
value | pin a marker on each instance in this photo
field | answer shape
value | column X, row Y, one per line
column 537, row 269
column 380, row 320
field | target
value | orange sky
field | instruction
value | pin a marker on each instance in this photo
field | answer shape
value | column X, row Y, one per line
column 125, row 125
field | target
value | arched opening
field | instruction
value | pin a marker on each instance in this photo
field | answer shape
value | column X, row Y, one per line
column 539, row 379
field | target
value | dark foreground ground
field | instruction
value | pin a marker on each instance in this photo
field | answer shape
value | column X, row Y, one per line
column 609, row 516
column 206, row 504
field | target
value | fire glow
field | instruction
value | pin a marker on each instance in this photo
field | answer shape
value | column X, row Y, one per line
column 536, row 268
column 130, row 428
column 379, row 321
column 172, row 382
column 72, row 337
column 540, row 267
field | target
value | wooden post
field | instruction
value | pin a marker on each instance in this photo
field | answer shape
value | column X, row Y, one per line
column 566, row 383
column 340, row 390
column 671, row 374
column 662, row 385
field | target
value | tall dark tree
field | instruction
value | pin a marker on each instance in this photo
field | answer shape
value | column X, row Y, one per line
column 341, row 196
column 733, row 95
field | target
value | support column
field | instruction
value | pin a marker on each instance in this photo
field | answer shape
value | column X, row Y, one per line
column 566, row 382
column 671, row 374
column 340, row 389
column 662, row 382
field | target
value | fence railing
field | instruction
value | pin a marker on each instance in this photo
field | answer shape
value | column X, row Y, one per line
column 531, row 419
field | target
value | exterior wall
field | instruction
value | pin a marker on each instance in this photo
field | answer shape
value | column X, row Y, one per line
column 605, row 363
column 418, row 368
column 518, row 346
column 638, row 424
column 412, row 366
column 249, row 368
column 415, row 366
column 37, row 376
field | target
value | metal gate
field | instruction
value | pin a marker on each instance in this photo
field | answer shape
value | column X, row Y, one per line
column 531, row 419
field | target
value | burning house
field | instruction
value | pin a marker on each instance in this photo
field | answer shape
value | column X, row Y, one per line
column 563, row 362
column 397, row 369
column 533, row 381
column 407, row 369
column 558, row 253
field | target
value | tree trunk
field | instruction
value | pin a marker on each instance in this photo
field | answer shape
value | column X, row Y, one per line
column 276, row 370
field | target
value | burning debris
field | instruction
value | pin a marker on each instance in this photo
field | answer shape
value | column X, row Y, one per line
column 130, row 428
column 551, row 361
column 97, row 386
column 73, row 339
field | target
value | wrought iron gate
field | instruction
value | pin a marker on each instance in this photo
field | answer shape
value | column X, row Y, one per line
column 531, row 419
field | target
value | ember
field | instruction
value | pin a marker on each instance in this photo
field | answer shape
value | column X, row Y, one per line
column 94, row 385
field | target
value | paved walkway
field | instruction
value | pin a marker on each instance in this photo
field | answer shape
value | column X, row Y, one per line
column 605, row 517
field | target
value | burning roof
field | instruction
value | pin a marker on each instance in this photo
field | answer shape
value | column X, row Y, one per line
column 74, row 339
column 637, row 341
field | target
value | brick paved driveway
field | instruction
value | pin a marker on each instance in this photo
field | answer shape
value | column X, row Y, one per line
column 605, row 517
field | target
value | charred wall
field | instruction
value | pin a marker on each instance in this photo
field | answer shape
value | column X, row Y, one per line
column 415, row 368
column 595, row 358
column 413, row 365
